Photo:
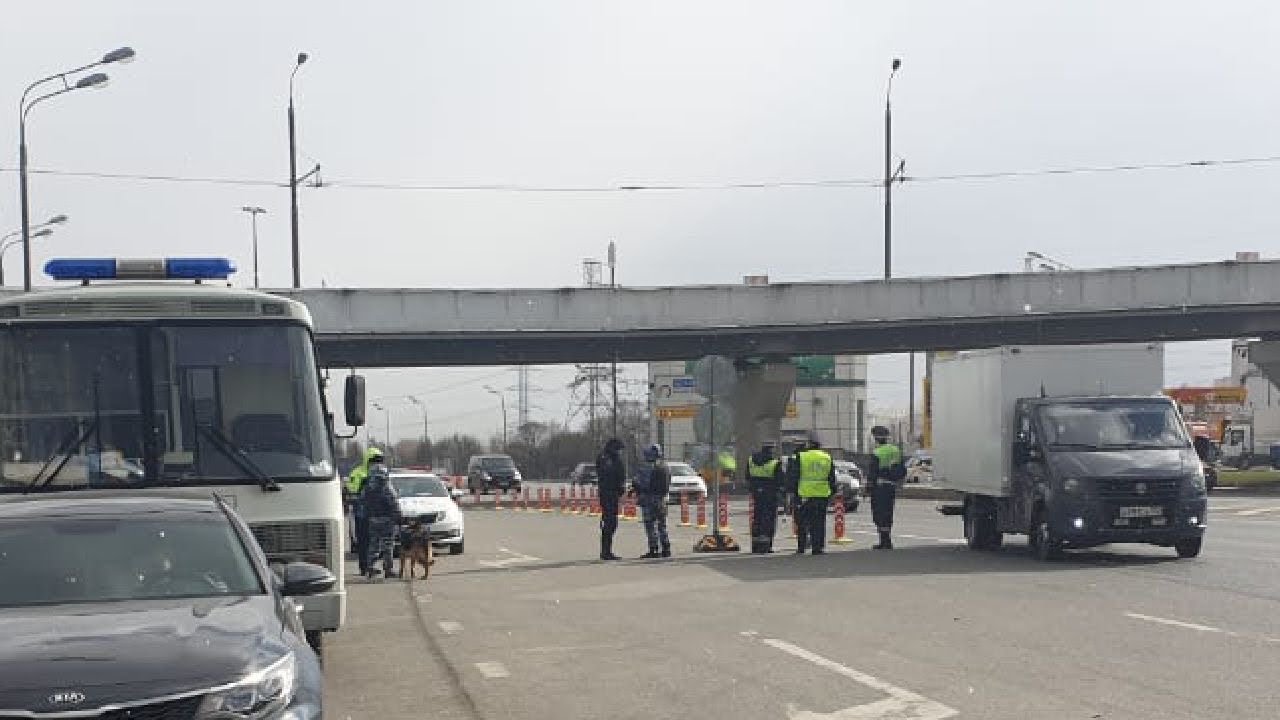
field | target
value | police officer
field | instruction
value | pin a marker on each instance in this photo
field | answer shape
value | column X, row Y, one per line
column 611, row 474
column 765, row 474
column 355, row 484
column 816, row 484
column 652, row 483
column 882, row 484
column 382, row 513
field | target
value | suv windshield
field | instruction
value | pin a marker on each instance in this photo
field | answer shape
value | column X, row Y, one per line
column 419, row 487
column 164, row 404
column 499, row 462
column 51, row 560
column 1106, row 426
column 679, row 468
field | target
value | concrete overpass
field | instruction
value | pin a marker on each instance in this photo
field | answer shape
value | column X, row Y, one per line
column 371, row 327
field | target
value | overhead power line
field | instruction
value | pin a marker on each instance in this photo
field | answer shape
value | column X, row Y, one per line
column 657, row 186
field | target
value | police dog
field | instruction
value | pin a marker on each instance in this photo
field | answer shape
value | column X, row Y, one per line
column 415, row 550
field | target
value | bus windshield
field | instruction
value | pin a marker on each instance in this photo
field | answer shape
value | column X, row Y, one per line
column 159, row 404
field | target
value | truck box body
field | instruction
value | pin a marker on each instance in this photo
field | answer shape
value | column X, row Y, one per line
column 974, row 394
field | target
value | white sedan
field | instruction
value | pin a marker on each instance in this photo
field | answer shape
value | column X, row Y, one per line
column 685, row 480
column 426, row 497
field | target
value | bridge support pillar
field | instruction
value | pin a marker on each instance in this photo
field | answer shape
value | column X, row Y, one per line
column 759, row 403
column 1266, row 355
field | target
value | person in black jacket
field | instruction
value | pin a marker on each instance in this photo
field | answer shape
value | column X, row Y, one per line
column 611, row 474
column 382, row 513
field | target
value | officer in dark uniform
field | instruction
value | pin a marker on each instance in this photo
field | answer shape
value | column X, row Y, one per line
column 887, row 471
column 382, row 511
column 765, row 474
column 611, row 474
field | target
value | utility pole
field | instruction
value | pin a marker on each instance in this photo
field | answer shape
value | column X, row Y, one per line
column 254, row 212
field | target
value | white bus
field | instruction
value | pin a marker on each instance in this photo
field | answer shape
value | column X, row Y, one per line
column 156, row 374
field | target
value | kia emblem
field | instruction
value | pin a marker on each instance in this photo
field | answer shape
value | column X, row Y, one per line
column 66, row 697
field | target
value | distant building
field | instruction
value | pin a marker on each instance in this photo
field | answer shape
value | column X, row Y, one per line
column 830, row 397
column 1262, row 398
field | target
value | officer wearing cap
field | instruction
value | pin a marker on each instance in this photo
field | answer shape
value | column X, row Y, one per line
column 887, row 471
column 765, row 473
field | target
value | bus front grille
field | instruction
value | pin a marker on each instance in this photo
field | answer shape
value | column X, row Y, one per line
column 296, row 542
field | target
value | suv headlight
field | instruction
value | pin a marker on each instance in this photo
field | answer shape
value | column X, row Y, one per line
column 1071, row 485
column 1197, row 480
column 260, row 695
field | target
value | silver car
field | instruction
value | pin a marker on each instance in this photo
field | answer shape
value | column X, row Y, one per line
column 849, row 481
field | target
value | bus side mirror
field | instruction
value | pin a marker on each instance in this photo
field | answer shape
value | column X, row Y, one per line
column 353, row 400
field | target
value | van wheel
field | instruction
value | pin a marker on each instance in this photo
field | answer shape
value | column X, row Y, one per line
column 1046, row 546
column 980, row 528
column 1188, row 547
column 315, row 639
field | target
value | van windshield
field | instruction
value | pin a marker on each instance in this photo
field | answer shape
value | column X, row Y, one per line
column 1112, row 426
column 501, row 462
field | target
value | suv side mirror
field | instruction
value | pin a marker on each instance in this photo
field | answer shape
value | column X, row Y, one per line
column 353, row 400
column 300, row 578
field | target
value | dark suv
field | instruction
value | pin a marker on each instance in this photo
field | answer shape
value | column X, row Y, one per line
column 584, row 474
column 149, row 607
column 488, row 472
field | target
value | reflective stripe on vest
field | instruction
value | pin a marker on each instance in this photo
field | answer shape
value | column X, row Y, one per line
column 765, row 471
column 815, row 469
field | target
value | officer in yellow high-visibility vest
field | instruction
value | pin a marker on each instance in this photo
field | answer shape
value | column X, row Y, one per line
column 816, row 485
column 765, row 474
column 355, row 486
column 887, row 471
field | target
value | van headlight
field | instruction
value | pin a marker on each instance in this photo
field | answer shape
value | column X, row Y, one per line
column 1197, row 480
column 1071, row 485
column 260, row 695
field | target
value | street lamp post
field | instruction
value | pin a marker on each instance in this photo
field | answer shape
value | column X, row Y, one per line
column 613, row 366
column 254, row 212
column 293, row 176
column 426, row 436
column 503, row 398
column 96, row 80
column 386, row 414
column 892, row 175
column 44, row 229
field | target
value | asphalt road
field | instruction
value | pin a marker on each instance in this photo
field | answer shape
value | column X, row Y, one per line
column 529, row 625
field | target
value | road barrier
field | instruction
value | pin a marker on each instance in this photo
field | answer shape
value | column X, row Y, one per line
column 596, row 511
column 723, row 514
column 544, row 498
column 630, row 512
column 751, row 512
column 497, row 499
column 524, row 500
column 684, row 510
column 564, row 504
column 702, row 512
column 840, row 538
column 573, row 499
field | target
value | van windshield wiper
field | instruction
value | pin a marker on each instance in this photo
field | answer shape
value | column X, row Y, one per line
column 1074, row 446
column 239, row 457
column 73, row 439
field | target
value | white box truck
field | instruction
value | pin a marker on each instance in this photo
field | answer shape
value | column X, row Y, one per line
column 1072, row 445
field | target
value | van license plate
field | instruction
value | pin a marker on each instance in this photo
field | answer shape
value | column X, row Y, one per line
column 1142, row 511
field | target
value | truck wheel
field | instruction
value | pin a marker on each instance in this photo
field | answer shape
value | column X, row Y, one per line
column 1188, row 547
column 1043, row 542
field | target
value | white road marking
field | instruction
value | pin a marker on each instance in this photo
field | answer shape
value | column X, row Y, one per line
column 1257, row 511
column 492, row 670
column 949, row 541
column 1198, row 627
column 901, row 704
column 448, row 627
column 515, row 559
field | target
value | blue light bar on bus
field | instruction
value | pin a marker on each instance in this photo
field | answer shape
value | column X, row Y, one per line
column 207, row 268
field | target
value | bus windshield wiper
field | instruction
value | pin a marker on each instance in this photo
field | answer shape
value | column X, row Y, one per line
column 238, row 456
column 72, row 440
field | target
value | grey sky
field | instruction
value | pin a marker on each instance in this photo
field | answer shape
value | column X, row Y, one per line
column 599, row 93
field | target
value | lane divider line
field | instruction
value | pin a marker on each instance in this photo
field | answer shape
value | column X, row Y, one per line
column 1198, row 627
column 448, row 627
column 493, row 670
column 902, row 704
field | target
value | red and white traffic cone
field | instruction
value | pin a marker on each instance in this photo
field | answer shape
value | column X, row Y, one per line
column 564, row 505
column 702, row 511
column 497, row 500
column 546, row 500
column 723, row 514
column 751, row 511
column 839, row 538
column 684, row 510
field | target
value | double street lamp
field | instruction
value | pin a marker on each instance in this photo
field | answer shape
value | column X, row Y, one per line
column 94, row 80
column 44, row 229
